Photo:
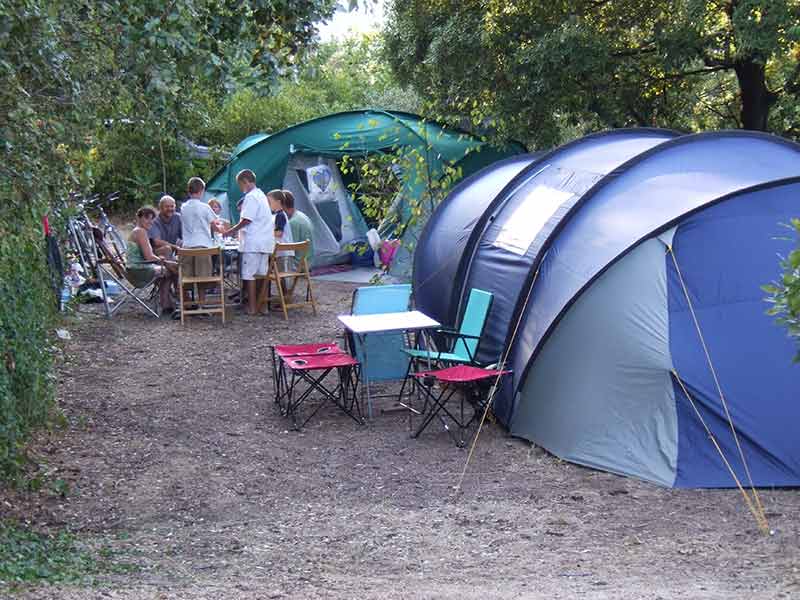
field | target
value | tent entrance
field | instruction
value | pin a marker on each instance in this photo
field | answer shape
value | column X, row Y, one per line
column 319, row 191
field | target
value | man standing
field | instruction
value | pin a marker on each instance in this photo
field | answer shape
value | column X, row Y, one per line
column 166, row 232
column 197, row 222
column 301, row 226
column 257, row 238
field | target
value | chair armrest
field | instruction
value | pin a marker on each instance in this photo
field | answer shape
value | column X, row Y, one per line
column 457, row 334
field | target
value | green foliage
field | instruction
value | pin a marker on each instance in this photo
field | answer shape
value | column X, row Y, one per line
column 785, row 293
column 338, row 76
column 373, row 183
column 126, row 153
column 29, row 557
column 376, row 185
column 547, row 70
column 126, row 158
column 28, row 309
column 68, row 67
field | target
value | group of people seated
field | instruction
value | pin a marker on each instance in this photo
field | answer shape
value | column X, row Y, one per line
column 266, row 219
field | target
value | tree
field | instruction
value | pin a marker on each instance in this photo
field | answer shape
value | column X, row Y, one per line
column 334, row 77
column 543, row 68
column 66, row 68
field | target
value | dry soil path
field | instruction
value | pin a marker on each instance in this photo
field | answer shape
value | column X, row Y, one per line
column 176, row 458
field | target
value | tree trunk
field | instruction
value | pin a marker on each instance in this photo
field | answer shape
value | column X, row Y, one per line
column 756, row 98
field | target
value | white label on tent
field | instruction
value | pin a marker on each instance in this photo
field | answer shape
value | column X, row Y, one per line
column 527, row 220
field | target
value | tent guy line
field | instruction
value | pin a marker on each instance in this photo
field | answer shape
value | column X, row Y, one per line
column 493, row 391
column 759, row 514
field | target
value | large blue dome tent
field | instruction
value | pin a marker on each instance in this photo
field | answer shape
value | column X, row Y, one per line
column 621, row 283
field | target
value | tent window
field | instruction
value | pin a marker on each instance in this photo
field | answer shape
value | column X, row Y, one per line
column 527, row 220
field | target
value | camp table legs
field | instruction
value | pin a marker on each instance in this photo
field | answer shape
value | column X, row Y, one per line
column 232, row 279
column 344, row 395
column 280, row 352
column 366, row 389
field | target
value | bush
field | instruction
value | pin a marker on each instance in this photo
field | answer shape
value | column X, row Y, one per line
column 785, row 293
column 339, row 76
column 27, row 556
column 28, row 307
column 140, row 164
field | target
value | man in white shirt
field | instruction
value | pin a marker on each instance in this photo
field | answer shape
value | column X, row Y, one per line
column 257, row 237
column 197, row 221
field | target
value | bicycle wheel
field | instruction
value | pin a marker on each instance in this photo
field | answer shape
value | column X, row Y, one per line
column 78, row 244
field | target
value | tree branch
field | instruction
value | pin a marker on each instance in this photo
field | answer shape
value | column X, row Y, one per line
column 648, row 48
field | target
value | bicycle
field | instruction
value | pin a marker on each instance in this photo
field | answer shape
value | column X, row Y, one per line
column 111, row 235
column 96, row 244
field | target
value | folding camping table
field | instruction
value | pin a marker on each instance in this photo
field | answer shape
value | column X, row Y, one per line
column 279, row 352
column 312, row 370
column 360, row 326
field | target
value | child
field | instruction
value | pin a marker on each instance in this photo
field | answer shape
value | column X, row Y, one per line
column 216, row 206
column 283, row 232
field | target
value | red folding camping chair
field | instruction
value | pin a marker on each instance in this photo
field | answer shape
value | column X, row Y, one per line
column 279, row 352
column 311, row 370
column 472, row 382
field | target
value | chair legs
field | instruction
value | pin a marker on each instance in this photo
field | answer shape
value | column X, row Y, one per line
column 285, row 296
column 279, row 285
column 344, row 394
column 130, row 293
column 439, row 408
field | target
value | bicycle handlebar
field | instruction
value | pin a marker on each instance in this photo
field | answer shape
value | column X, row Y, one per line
column 93, row 201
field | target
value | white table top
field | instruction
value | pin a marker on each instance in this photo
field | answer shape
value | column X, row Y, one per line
column 400, row 321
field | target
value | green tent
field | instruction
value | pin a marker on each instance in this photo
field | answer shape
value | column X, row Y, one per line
column 304, row 158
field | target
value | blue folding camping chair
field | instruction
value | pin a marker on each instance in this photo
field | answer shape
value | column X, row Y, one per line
column 382, row 355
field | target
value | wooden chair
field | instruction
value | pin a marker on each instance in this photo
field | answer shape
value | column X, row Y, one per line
column 278, row 276
column 194, row 282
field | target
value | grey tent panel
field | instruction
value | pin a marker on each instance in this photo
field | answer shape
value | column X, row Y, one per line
column 337, row 221
column 600, row 393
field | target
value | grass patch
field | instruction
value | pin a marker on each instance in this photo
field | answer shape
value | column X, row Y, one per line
column 27, row 556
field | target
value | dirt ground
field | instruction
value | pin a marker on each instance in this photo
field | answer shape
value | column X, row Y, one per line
column 177, row 459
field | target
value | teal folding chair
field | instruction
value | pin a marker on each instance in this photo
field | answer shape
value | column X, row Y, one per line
column 463, row 342
column 382, row 356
